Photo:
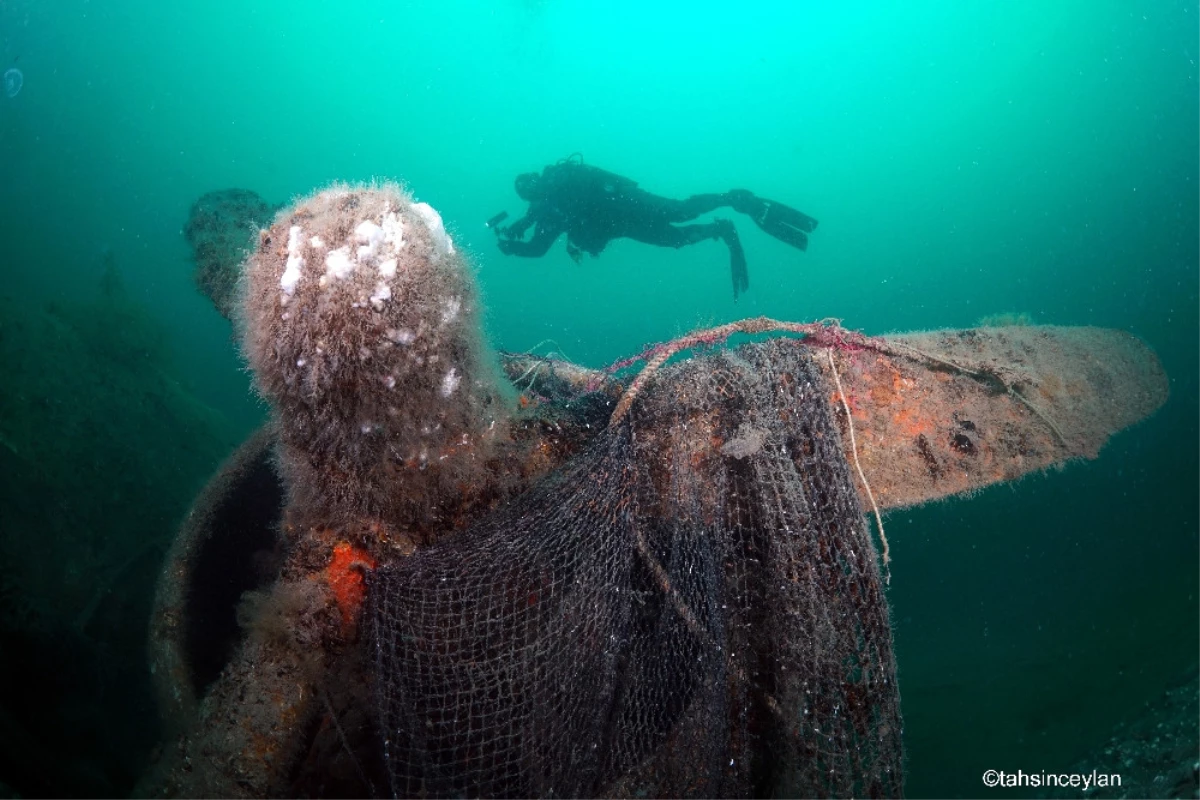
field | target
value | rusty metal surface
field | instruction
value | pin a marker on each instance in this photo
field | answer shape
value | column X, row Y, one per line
column 934, row 414
column 946, row 412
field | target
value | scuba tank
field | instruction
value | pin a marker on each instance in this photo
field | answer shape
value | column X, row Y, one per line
column 572, row 174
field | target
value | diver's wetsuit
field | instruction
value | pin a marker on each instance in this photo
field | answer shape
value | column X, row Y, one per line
column 594, row 206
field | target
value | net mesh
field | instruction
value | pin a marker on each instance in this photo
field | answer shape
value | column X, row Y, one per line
column 691, row 607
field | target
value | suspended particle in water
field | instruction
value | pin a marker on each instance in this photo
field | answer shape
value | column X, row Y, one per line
column 13, row 81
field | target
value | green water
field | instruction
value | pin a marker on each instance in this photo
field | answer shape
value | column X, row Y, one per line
column 963, row 159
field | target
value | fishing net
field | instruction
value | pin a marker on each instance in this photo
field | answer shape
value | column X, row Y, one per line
column 690, row 607
column 664, row 587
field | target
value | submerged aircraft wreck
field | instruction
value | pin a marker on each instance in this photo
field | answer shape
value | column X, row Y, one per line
column 438, row 571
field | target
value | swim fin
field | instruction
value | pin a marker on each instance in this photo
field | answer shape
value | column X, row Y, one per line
column 737, row 267
column 783, row 222
column 737, row 256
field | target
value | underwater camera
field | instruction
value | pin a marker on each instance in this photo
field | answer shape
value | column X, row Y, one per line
column 494, row 222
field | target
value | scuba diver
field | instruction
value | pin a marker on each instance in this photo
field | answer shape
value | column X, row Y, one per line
column 594, row 206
